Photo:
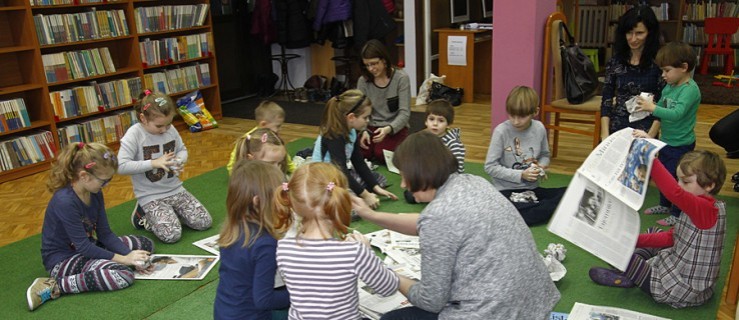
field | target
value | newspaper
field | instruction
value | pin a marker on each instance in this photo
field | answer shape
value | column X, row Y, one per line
column 209, row 244
column 598, row 212
column 583, row 311
column 374, row 305
column 178, row 267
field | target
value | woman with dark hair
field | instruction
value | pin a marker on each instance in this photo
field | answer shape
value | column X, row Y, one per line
column 478, row 257
column 389, row 90
column 632, row 71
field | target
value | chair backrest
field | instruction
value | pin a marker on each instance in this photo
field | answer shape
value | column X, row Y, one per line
column 552, row 88
column 720, row 30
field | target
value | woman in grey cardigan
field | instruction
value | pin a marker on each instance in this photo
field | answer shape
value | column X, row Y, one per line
column 478, row 258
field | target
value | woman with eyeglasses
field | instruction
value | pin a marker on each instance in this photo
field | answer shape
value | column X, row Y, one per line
column 389, row 90
column 337, row 143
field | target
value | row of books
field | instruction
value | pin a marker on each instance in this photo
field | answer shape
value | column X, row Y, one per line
column 702, row 10
column 39, row 3
column 715, row 60
column 695, row 34
column 169, row 50
column 13, row 115
column 69, row 65
column 95, row 97
column 162, row 18
column 80, row 26
column 662, row 11
column 179, row 79
column 26, row 150
column 102, row 130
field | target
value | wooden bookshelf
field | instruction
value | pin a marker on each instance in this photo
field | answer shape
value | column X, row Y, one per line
column 23, row 73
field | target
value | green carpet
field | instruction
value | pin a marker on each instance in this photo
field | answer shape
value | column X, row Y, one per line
column 20, row 263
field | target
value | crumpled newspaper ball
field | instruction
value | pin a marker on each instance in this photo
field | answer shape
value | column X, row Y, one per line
column 556, row 250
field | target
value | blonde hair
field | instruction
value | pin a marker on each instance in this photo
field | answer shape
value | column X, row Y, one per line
column 91, row 157
column 333, row 123
column 268, row 110
column 707, row 167
column 522, row 101
column 253, row 143
column 151, row 103
column 316, row 191
column 250, row 179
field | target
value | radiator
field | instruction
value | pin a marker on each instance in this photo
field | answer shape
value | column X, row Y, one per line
column 593, row 23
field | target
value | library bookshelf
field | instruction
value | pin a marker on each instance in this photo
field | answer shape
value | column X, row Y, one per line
column 77, row 68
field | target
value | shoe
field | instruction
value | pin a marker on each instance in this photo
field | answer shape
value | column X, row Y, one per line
column 138, row 218
column 735, row 178
column 355, row 216
column 669, row 221
column 610, row 277
column 657, row 210
column 654, row 230
column 409, row 197
column 40, row 291
column 736, row 187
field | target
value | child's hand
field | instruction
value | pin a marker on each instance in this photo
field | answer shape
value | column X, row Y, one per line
column 531, row 174
column 383, row 192
column 645, row 104
column 381, row 133
column 358, row 237
column 370, row 199
column 364, row 140
column 136, row 258
column 640, row 134
column 163, row 162
column 360, row 207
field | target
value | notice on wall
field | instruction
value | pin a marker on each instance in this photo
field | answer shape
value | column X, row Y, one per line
column 457, row 50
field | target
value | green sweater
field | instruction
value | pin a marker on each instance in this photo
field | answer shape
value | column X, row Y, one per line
column 677, row 111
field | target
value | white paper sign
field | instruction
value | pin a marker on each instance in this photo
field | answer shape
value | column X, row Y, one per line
column 457, row 50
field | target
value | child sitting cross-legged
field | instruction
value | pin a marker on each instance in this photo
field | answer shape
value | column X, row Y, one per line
column 519, row 154
column 680, row 267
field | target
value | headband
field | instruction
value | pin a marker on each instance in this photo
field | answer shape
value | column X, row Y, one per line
column 354, row 108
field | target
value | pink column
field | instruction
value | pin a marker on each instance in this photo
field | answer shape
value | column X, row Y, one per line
column 518, row 36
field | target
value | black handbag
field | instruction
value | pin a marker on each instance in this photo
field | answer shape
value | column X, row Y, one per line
column 578, row 72
column 440, row 91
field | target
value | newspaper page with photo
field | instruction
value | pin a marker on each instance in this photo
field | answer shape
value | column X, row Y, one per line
column 178, row 267
column 583, row 311
column 599, row 209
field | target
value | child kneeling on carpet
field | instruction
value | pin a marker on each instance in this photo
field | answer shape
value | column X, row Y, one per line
column 519, row 154
column 321, row 260
column 270, row 115
column 153, row 153
column 680, row 267
column 247, row 244
column 337, row 143
column 265, row 145
column 78, row 249
column 439, row 116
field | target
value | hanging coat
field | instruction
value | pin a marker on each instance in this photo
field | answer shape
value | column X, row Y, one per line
column 371, row 21
column 293, row 29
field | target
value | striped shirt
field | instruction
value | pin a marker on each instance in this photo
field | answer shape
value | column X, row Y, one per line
column 452, row 140
column 321, row 276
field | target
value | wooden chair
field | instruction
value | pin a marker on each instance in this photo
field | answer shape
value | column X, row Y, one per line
column 718, row 33
column 554, row 108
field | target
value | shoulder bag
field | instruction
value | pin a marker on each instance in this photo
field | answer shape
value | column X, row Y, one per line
column 578, row 72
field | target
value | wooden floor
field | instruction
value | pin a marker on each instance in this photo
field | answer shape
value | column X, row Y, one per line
column 25, row 199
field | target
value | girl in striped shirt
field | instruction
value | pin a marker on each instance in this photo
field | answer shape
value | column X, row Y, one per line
column 321, row 263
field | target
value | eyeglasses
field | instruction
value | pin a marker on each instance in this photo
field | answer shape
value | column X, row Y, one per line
column 372, row 64
column 104, row 182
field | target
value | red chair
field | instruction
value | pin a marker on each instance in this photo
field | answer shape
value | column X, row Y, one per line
column 719, row 32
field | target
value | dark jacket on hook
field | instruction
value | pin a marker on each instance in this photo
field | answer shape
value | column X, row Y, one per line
column 329, row 11
column 293, row 28
column 371, row 21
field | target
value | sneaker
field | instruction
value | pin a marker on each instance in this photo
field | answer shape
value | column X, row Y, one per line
column 657, row 210
column 669, row 221
column 138, row 218
column 735, row 178
column 40, row 291
column 610, row 277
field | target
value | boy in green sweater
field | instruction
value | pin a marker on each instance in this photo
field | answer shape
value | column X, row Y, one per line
column 676, row 111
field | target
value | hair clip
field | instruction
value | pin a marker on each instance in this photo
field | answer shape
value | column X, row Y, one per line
column 80, row 145
column 147, row 92
column 330, row 186
column 146, row 106
column 109, row 156
column 285, row 188
column 161, row 101
column 90, row 165
column 338, row 98
column 264, row 137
